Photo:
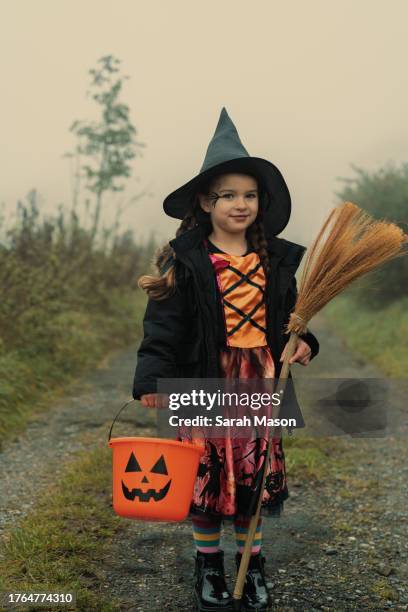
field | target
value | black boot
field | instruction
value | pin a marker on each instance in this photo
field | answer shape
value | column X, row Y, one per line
column 255, row 595
column 210, row 590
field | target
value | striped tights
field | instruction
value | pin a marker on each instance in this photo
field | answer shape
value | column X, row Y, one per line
column 207, row 534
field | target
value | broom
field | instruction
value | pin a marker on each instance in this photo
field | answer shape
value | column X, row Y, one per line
column 349, row 244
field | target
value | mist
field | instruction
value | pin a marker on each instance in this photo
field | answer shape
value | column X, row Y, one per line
column 313, row 87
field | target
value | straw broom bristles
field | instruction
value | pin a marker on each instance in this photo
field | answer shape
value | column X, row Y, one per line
column 349, row 244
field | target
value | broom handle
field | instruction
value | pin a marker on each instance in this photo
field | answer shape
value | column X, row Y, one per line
column 239, row 585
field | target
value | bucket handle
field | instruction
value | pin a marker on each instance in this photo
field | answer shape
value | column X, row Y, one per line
column 114, row 420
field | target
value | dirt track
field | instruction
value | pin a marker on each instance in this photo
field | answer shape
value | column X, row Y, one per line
column 338, row 545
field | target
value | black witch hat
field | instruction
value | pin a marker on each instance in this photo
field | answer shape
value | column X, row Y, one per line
column 225, row 154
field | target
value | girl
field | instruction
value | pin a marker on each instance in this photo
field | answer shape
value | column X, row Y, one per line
column 218, row 309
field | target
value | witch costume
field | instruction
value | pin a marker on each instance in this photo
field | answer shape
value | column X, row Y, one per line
column 225, row 319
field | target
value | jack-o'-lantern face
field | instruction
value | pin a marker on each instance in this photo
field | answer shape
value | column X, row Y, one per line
column 154, row 477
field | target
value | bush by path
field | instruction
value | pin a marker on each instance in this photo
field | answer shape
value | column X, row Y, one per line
column 64, row 303
column 383, row 194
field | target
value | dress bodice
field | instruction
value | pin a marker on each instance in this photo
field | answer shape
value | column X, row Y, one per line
column 241, row 283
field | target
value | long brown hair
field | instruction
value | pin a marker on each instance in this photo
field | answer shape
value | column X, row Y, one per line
column 163, row 285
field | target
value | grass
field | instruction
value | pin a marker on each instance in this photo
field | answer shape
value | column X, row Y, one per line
column 31, row 379
column 382, row 588
column 379, row 336
column 59, row 546
column 314, row 458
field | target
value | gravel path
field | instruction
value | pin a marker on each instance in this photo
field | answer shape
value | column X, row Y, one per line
column 340, row 544
column 31, row 461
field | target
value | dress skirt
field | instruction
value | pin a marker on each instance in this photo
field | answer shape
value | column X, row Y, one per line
column 229, row 469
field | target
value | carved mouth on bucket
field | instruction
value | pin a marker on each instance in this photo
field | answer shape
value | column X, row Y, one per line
column 146, row 496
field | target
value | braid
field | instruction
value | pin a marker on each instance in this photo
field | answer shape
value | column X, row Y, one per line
column 162, row 286
column 260, row 244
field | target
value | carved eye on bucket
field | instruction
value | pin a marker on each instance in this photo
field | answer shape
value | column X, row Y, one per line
column 159, row 467
column 132, row 465
column 158, row 492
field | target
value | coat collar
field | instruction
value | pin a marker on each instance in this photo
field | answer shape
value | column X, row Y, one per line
column 290, row 253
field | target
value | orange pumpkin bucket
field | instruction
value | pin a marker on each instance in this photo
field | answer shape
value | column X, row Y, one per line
column 153, row 478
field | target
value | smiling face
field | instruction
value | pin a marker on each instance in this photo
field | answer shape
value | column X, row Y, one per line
column 152, row 487
column 232, row 203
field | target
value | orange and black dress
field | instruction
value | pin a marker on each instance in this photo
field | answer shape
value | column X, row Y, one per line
column 228, row 469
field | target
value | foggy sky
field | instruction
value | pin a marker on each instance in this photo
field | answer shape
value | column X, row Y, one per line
column 311, row 86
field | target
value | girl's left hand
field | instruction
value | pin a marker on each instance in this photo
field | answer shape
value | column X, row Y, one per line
column 301, row 355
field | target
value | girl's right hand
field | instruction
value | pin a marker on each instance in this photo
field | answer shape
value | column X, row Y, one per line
column 154, row 400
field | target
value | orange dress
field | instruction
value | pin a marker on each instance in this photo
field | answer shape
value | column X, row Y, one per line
column 230, row 468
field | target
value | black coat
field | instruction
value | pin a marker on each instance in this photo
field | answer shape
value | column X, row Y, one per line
column 183, row 334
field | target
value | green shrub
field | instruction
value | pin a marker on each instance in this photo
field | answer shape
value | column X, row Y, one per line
column 383, row 194
column 64, row 303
